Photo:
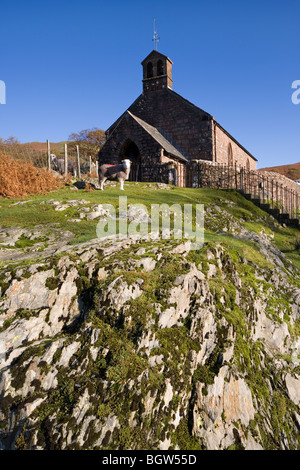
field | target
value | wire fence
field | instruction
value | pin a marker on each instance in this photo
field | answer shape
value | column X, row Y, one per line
column 77, row 163
column 21, row 152
column 273, row 192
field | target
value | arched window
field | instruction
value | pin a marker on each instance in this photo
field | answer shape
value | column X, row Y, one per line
column 149, row 70
column 230, row 155
column 248, row 164
column 160, row 67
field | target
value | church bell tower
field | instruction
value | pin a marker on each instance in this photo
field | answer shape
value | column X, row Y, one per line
column 157, row 72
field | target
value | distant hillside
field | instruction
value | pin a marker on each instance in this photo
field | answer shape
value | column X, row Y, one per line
column 291, row 171
column 89, row 141
column 42, row 146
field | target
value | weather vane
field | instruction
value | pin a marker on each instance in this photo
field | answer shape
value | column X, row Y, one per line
column 155, row 36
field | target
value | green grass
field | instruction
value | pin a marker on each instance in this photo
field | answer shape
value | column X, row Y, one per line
column 253, row 218
column 120, row 333
column 246, row 248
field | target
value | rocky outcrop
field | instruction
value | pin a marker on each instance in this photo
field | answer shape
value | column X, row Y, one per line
column 138, row 345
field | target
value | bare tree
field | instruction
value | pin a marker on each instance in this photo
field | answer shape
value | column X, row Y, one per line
column 90, row 142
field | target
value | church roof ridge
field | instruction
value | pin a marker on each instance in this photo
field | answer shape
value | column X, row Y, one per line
column 190, row 103
column 214, row 120
column 158, row 53
column 118, row 120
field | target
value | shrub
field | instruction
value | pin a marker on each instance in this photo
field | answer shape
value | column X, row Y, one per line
column 19, row 178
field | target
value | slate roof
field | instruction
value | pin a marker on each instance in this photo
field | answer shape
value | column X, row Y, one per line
column 156, row 135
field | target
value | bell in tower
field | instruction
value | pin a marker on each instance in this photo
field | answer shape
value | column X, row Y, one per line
column 157, row 72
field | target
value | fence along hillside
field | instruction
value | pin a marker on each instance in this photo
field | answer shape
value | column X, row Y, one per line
column 40, row 158
column 273, row 192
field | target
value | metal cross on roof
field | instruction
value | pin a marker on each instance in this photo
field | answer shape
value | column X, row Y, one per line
column 155, row 37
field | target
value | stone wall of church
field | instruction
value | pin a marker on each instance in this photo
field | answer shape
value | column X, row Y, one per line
column 226, row 147
column 191, row 130
column 152, row 168
column 183, row 124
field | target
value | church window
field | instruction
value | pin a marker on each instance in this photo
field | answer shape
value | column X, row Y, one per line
column 160, row 67
column 230, row 155
column 149, row 70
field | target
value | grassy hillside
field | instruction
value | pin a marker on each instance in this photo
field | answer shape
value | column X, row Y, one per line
column 290, row 171
column 145, row 344
column 235, row 210
column 42, row 146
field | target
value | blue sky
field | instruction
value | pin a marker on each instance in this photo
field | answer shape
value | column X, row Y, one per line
column 73, row 65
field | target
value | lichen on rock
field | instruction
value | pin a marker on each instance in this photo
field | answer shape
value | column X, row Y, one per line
column 148, row 345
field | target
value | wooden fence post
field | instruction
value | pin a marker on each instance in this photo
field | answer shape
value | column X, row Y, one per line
column 66, row 160
column 78, row 162
column 48, row 156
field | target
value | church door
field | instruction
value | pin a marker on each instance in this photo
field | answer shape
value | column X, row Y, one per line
column 130, row 150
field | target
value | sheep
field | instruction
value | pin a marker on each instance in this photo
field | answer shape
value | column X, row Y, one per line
column 59, row 164
column 119, row 172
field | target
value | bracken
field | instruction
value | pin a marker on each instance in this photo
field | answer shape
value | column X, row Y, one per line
column 20, row 179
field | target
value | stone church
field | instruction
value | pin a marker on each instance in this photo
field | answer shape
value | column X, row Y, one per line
column 162, row 133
